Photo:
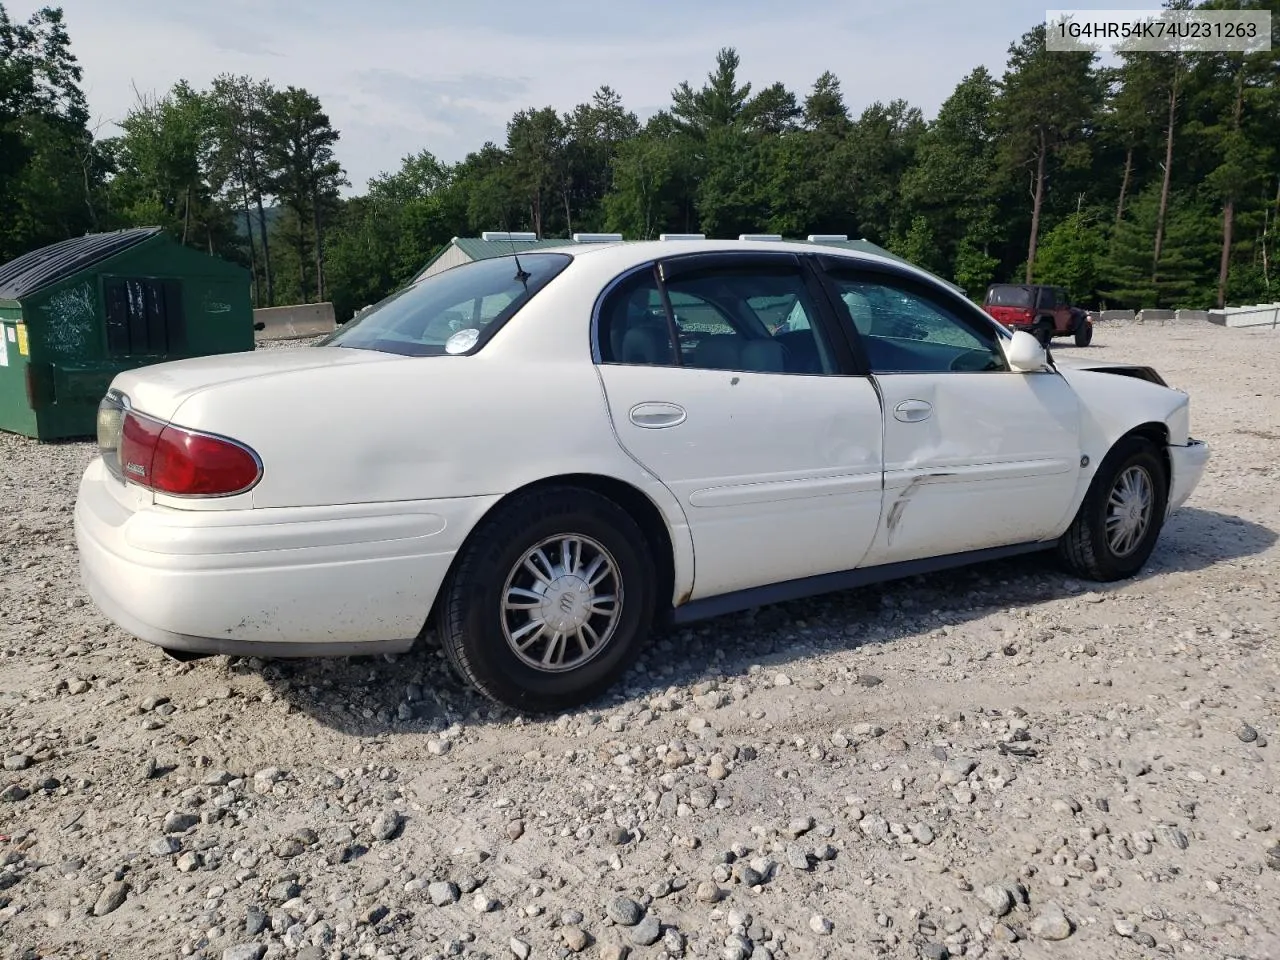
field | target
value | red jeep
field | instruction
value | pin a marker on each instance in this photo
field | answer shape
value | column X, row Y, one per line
column 1041, row 310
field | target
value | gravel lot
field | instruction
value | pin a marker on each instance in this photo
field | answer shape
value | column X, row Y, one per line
column 1000, row 762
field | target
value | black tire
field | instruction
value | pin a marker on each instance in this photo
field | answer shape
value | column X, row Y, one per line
column 472, row 621
column 1086, row 548
column 1084, row 334
column 1042, row 330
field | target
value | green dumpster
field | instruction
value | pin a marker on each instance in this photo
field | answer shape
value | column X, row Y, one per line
column 76, row 313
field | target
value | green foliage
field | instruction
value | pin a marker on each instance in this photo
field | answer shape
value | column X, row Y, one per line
column 51, row 170
column 382, row 239
column 721, row 102
column 164, row 158
column 1044, row 119
column 1186, row 275
column 951, row 182
column 974, row 269
column 1070, row 254
column 918, row 245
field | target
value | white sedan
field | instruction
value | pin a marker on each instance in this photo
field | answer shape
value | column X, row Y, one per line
column 545, row 455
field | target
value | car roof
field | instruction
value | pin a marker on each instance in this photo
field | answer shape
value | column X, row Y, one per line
column 625, row 254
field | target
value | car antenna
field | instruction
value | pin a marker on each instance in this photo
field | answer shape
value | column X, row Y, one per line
column 522, row 274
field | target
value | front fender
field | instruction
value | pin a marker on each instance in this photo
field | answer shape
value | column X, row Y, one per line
column 1112, row 406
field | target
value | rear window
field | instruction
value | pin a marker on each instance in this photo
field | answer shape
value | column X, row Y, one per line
column 1009, row 297
column 453, row 312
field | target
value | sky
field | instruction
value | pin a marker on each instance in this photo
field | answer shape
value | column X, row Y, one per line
column 399, row 76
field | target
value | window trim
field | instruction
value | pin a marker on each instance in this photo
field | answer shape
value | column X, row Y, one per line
column 597, row 355
column 825, row 321
column 976, row 320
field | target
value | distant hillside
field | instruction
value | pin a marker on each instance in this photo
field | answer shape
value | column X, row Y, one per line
column 243, row 220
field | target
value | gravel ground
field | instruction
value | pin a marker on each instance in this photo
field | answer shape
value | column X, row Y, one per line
column 1000, row 761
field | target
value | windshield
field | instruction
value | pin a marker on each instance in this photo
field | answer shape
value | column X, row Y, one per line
column 451, row 312
column 1009, row 297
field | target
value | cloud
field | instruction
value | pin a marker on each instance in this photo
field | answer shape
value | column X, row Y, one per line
column 398, row 77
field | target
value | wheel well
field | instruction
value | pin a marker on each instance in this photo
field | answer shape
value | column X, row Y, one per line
column 1158, row 434
column 642, row 510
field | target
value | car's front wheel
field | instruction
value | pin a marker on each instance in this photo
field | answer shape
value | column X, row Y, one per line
column 1120, row 519
column 550, row 600
column 1084, row 334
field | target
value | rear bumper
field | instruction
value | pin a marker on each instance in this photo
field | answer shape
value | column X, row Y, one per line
column 305, row 581
column 1188, row 464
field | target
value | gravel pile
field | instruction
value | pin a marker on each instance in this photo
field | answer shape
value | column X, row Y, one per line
column 1000, row 761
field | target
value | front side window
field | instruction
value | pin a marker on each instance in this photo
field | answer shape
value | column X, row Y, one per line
column 454, row 311
column 906, row 330
column 758, row 317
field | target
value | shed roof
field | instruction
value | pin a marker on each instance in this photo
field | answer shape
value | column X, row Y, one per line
column 41, row 268
column 477, row 248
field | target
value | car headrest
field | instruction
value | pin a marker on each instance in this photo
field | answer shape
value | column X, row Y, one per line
column 646, row 344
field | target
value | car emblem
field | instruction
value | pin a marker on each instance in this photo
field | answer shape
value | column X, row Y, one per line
column 567, row 602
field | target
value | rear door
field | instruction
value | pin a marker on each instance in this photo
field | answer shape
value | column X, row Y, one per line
column 976, row 456
column 723, row 380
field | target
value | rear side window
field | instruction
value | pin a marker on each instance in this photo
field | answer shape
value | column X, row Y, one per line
column 1010, row 297
column 754, row 317
column 454, row 312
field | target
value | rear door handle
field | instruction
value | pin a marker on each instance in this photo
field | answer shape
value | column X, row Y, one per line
column 913, row 411
column 654, row 415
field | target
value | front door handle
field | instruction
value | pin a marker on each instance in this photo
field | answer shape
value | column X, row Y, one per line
column 654, row 415
column 913, row 411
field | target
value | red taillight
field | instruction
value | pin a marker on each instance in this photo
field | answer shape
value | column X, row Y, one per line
column 138, row 438
column 1009, row 314
column 184, row 463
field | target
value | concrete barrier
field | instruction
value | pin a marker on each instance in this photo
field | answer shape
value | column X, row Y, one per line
column 1255, row 315
column 295, row 322
column 1192, row 316
column 1117, row 316
column 1155, row 316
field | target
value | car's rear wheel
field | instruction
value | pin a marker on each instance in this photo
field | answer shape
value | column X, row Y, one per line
column 1084, row 334
column 1042, row 330
column 1120, row 520
column 550, row 601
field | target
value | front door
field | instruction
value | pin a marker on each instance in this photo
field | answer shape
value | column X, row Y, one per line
column 976, row 455
column 723, row 380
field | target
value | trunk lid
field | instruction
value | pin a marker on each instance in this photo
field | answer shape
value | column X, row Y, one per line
column 158, row 390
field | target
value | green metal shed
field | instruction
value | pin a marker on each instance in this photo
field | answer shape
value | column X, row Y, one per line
column 76, row 313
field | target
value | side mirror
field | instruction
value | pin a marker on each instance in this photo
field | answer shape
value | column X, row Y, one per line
column 1025, row 353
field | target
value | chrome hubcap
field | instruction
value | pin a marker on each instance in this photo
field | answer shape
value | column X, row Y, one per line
column 1129, row 510
column 561, row 603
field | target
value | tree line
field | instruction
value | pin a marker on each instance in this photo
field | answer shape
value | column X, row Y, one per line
column 1154, row 182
